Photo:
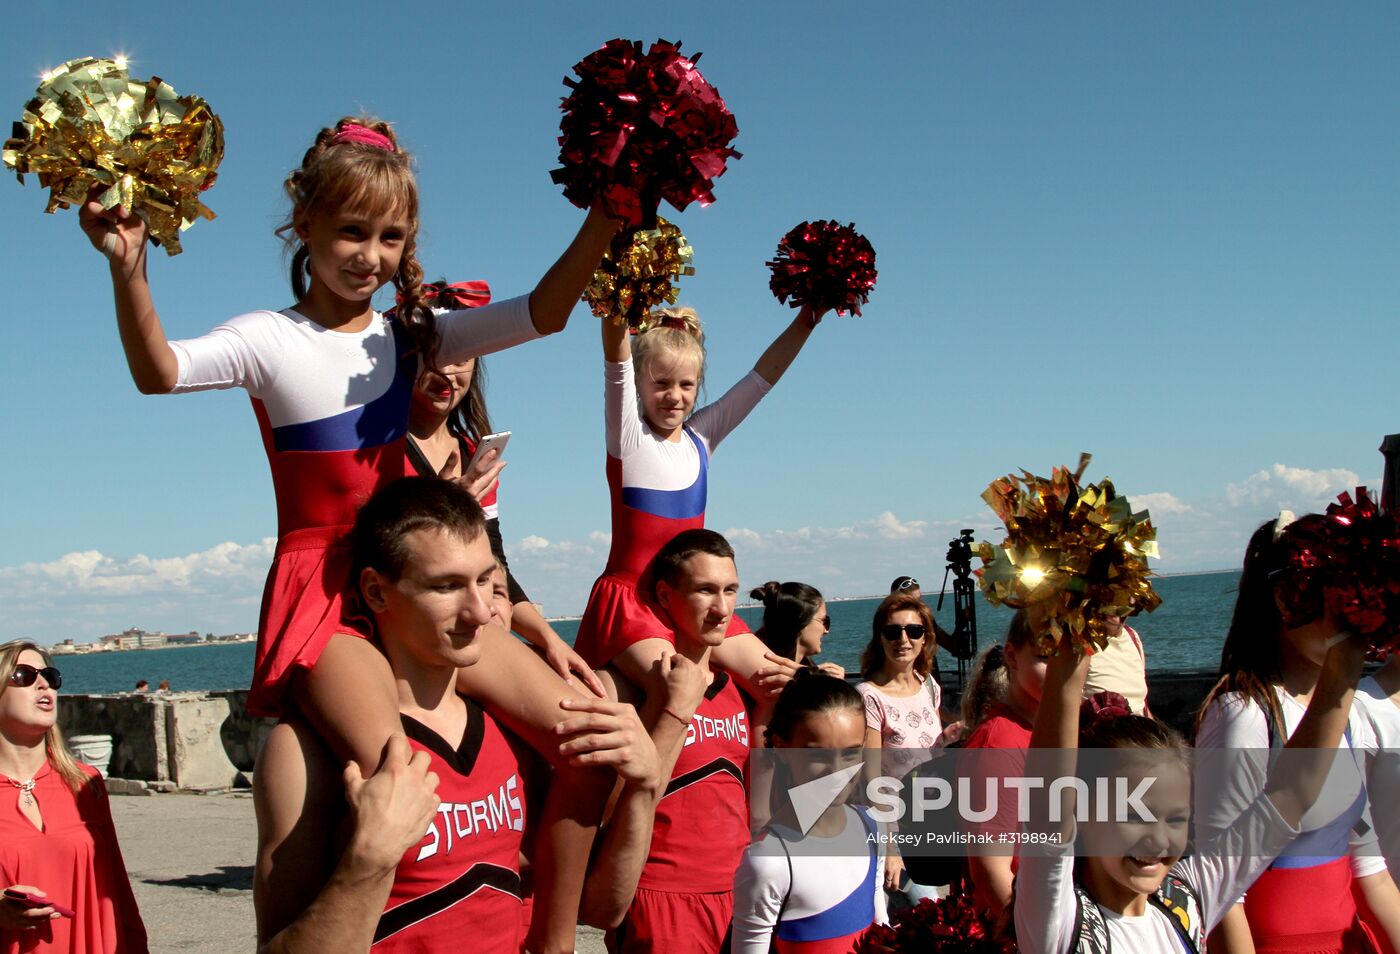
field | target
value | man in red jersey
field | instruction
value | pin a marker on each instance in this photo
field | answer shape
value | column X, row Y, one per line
column 424, row 568
column 685, row 898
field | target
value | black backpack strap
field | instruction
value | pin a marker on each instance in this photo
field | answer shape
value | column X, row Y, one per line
column 1090, row 928
column 1178, row 901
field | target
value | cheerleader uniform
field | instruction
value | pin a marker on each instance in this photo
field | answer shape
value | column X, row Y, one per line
column 799, row 894
column 685, row 896
column 1303, row 903
column 657, row 489
column 463, row 879
column 333, row 411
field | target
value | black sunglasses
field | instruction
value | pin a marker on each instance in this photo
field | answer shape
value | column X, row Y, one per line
column 826, row 623
column 25, row 675
column 893, row 631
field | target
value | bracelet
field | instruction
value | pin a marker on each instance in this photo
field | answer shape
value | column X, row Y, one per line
column 669, row 712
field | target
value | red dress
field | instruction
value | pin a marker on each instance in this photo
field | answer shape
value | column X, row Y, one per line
column 76, row 861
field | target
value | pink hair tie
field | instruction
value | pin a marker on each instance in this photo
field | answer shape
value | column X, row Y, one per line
column 362, row 135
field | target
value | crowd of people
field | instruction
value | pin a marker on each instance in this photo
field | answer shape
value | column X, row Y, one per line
column 435, row 782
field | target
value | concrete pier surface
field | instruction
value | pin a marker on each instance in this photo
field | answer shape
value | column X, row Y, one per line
column 190, row 858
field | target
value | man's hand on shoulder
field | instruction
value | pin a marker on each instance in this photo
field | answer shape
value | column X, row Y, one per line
column 391, row 809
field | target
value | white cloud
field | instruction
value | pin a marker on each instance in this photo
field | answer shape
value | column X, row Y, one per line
column 90, row 571
column 87, row 594
column 532, row 543
column 1296, row 488
column 1160, row 504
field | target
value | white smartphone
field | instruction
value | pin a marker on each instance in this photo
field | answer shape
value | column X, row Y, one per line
column 490, row 442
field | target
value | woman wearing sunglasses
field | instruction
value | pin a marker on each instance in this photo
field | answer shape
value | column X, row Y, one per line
column 794, row 622
column 902, row 700
column 65, row 886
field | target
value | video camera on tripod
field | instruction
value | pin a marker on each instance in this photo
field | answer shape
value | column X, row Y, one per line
column 964, row 606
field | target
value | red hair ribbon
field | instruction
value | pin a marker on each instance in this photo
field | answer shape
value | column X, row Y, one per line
column 457, row 295
column 362, row 135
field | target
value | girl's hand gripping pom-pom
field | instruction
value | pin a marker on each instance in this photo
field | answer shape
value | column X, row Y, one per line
column 823, row 265
column 1073, row 553
column 1350, row 555
column 639, row 271
column 153, row 151
column 642, row 127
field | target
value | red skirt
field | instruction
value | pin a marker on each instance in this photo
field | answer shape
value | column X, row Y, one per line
column 1307, row 911
column 303, row 607
column 617, row 617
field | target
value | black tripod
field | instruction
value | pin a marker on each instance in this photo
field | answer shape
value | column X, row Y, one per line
column 964, row 607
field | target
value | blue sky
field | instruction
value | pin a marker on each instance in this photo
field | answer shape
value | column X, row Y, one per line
column 1166, row 234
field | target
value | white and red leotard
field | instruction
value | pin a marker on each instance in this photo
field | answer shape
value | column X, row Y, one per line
column 463, row 879
column 804, row 894
column 657, row 488
column 333, row 410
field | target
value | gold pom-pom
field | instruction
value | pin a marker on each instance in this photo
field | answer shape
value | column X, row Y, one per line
column 1076, row 552
column 90, row 123
column 638, row 272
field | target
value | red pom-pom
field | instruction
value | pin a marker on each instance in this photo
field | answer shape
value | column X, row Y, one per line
column 1353, row 553
column 642, row 127
column 824, row 265
column 951, row 925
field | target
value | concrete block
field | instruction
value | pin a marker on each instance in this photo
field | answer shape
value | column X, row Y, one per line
column 193, row 725
column 126, row 786
column 136, row 723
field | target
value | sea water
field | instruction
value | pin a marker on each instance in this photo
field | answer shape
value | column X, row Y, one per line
column 1186, row 632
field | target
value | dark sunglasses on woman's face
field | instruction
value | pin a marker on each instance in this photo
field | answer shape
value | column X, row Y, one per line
column 826, row 623
column 893, row 631
column 24, row 675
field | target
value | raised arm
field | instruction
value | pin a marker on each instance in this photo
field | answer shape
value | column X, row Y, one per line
column 1296, row 779
column 148, row 354
column 780, row 354
column 617, row 344
column 559, row 290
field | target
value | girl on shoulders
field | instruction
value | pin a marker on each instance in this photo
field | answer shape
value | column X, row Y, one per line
column 659, row 449
column 330, row 379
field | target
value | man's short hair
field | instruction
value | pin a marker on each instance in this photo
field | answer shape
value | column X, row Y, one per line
column 902, row 584
column 669, row 562
column 406, row 505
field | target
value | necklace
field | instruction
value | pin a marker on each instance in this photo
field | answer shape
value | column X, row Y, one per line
column 26, row 789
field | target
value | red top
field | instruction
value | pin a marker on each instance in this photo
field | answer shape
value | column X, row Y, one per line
column 1008, row 736
column 76, row 861
column 702, row 820
column 460, row 885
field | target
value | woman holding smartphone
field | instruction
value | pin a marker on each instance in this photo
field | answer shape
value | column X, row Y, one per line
column 447, row 424
column 65, row 886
